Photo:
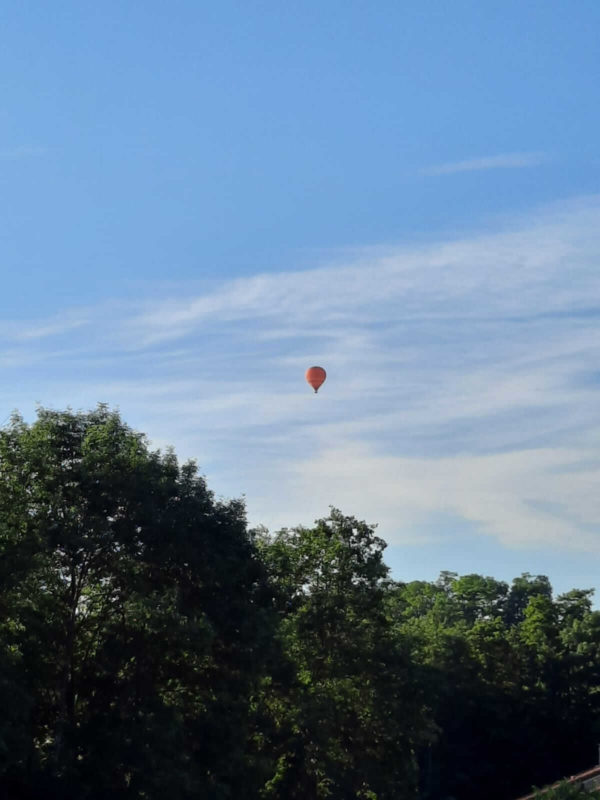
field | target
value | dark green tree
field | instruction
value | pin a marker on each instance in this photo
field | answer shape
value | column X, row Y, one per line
column 511, row 680
column 133, row 617
column 348, row 719
column 566, row 791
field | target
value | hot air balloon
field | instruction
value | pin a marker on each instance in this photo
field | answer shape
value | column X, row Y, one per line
column 316, row 377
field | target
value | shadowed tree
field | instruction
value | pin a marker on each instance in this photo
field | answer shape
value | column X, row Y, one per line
column 132, row 624
column 347, row 721
column 511, row 679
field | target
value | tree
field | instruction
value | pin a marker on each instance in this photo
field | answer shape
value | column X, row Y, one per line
column 522, row 590
column 510, row 678
column 566, row 791
column 347, row 719
column 133, row 627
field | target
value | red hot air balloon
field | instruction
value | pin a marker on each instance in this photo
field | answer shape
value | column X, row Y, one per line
column 316, row 377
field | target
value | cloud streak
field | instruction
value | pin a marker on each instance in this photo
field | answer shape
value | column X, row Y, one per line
column 503, row 161
column 520, row 273
column 43, row 329
column 463, row 380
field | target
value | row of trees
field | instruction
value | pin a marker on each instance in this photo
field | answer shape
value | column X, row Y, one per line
column 566, row 790
column 151, row 645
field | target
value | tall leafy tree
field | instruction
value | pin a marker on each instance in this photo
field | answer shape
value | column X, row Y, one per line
column 348, row 718
column 133, row 615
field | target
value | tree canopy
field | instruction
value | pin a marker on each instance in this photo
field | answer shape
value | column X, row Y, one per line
column 151, row 645
column 133, row 626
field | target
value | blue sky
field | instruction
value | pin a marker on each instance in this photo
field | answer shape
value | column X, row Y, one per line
column 200, row 200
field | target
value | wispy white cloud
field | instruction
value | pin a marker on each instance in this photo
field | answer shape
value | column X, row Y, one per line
column 527, row 498
column 48, row 329
column 521, row 272
column 503, row 161
column 463, row 379
column 28, row 330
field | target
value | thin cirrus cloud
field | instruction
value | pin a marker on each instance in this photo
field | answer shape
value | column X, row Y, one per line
column 503, row 161
column 522, row 271
column 43, row 329
column 463, row 379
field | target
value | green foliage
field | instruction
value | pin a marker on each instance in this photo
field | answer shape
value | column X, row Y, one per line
column 132, row 631
column 566, row 791
column 508, row 679
column 150, row 646
column 347, row 720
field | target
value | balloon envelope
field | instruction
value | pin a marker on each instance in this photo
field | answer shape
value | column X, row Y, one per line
column 316, row 377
